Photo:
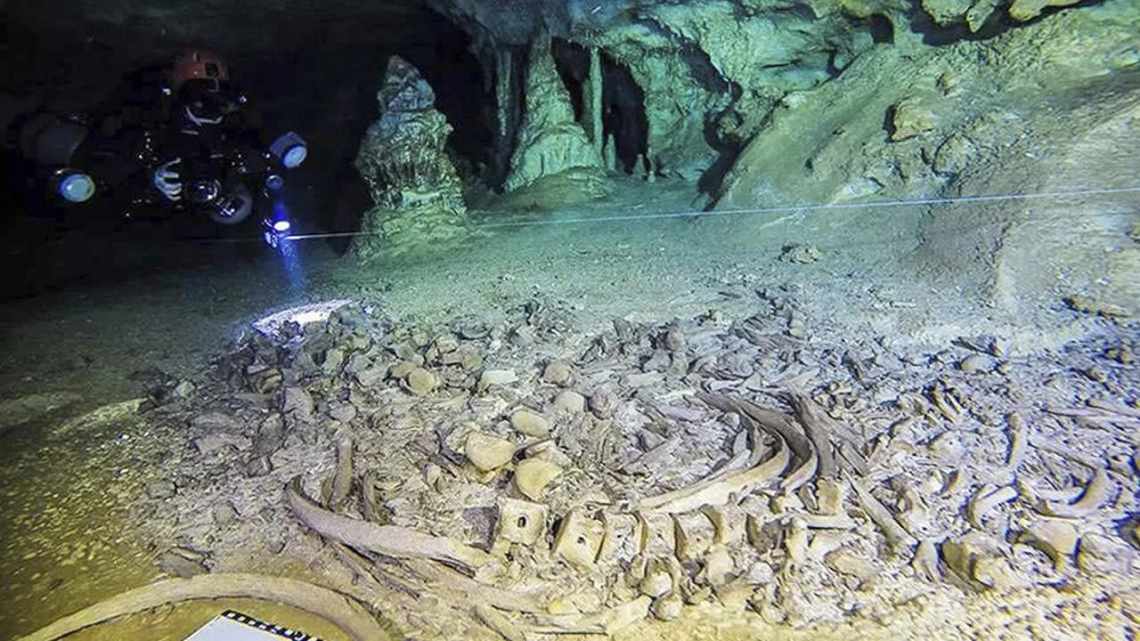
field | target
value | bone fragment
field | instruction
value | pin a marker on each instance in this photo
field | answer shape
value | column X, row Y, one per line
column 830, row 494
column 882, row 517
column 1057, row 539
column 342, row 479
column 1123, row 410
column 986, row 499
column 579, row 539
column 391, row 540
column 770, row 421
column 925, row 560
column 371, row 498
column 721, row 528
column 331, row 606
column 824, row 521
column 608, row 622
column 447, row 579
column 801, row 475
column 942, row 402
column 654, row 457
column 796, row 542
column 718, row 492
column 499, row 623
column 1095, row 494
column 1018, row 439
column 816, row 425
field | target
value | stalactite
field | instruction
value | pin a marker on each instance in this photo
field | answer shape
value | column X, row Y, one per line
column 504, row 106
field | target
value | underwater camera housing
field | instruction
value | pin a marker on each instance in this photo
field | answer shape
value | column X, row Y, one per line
column 290, row 149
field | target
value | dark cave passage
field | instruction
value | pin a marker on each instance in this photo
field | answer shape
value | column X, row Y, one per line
column 573, row 63
column 623, row 115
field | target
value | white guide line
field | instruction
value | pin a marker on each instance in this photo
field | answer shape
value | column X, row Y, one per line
column 699, row 213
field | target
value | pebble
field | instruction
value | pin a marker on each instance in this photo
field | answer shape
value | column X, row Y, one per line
column 668, row 607
column 223, row 514
column 421, row 382
column 497, row 377
column 760, row 573
column 334, row 358
column 533, row 475
column 603, row 403
column 675, row 339
column 298, row 401
column 184, row 390
column 341, row 411
column 488, row 452
column 977, row 364
column 558, row 373
column 530, row 424
column 570, row 402
column 270, row 435
column 402, row 369
column 160, row 489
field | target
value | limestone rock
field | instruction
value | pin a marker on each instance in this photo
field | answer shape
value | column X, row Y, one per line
column 977, row 364
column 297, row 401
column 533, row 475
column 946, row 12
column 550, row 140
column 846, row 562
column 421, row 382
column 487, row 452
column 570, row 402
column 530, row 424
column 410, row 177
column 493, row 377
column 558, row 373
column 1024, row 10
column 668, row 607
column 910, row 118
column 954, row 155
column 719, row 566
column 657, row 582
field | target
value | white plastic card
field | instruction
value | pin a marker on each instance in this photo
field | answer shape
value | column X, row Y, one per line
column 235, row 626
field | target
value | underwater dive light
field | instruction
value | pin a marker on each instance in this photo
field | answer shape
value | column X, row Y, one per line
column 290, row 149
column 74, row 186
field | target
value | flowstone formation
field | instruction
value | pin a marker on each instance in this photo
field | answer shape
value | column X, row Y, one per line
column 525, row 480
column 417, row 192
column 550, row 141
column 959, row 129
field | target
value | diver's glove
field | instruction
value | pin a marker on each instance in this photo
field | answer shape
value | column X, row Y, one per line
column 168, row 181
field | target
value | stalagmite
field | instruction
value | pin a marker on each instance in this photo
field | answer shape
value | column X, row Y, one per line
column 594, row 101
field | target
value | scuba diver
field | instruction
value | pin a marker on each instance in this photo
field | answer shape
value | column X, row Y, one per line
column 176, row 139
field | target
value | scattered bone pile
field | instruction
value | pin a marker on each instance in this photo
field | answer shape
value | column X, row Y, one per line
column 526, row 480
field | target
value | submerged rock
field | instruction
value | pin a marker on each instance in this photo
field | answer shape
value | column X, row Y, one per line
column 487, row 452
column 27, row 408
